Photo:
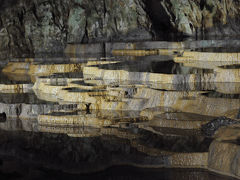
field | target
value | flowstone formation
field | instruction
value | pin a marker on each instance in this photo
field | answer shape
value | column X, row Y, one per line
column 140, row 106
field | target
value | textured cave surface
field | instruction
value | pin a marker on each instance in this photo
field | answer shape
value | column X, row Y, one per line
column 28, row 27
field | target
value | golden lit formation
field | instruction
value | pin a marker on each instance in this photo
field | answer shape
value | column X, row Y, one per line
column 174, row 94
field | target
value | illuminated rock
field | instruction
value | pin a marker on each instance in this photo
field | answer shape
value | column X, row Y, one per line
column 179, row 120
column 131, row 52
column 132, row 97
column 151, row 112
column 191, row 102
column 70, row 131
column 34, row 70
column 207, row 56
column 145, row 45
column 228, row 133
column 97, row 118
column 227, row 75
column 74, row 120
column 187, row 160
column 135, row 52
column 224, row 158
column 154, row 109
column 228, row 88
column 207, row 106
column 48, row 69
column 233, row 114
column 123, row 75
column 15, row 88
column 17, row 67
column 96, row 48
column 207, row 65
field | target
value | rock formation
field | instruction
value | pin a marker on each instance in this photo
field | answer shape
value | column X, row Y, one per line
column 82, row 114
column 28, row 27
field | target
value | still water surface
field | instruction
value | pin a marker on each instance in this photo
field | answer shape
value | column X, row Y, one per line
column 96, row 119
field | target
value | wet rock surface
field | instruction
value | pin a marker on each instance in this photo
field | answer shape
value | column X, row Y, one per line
column 210, row 128
column 171, row 109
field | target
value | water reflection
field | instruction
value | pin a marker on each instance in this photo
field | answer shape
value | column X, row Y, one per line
column 115, row 173
column 75, row 115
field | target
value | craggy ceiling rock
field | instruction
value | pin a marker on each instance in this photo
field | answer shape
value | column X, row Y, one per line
column 46, row 26
column 104, row 20
column 28, row 27
column 203, row 17
column 34, row 26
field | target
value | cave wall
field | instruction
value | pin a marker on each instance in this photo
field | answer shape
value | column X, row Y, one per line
column 33, row 26
column 204, row 17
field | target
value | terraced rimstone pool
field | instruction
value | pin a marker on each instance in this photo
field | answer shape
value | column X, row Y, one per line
column 87, row 114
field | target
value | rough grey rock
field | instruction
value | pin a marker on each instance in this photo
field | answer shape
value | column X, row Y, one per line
column 203, row 17
column 104, row 20
column 210, row 128
column 46, row 26
column 28, row 27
